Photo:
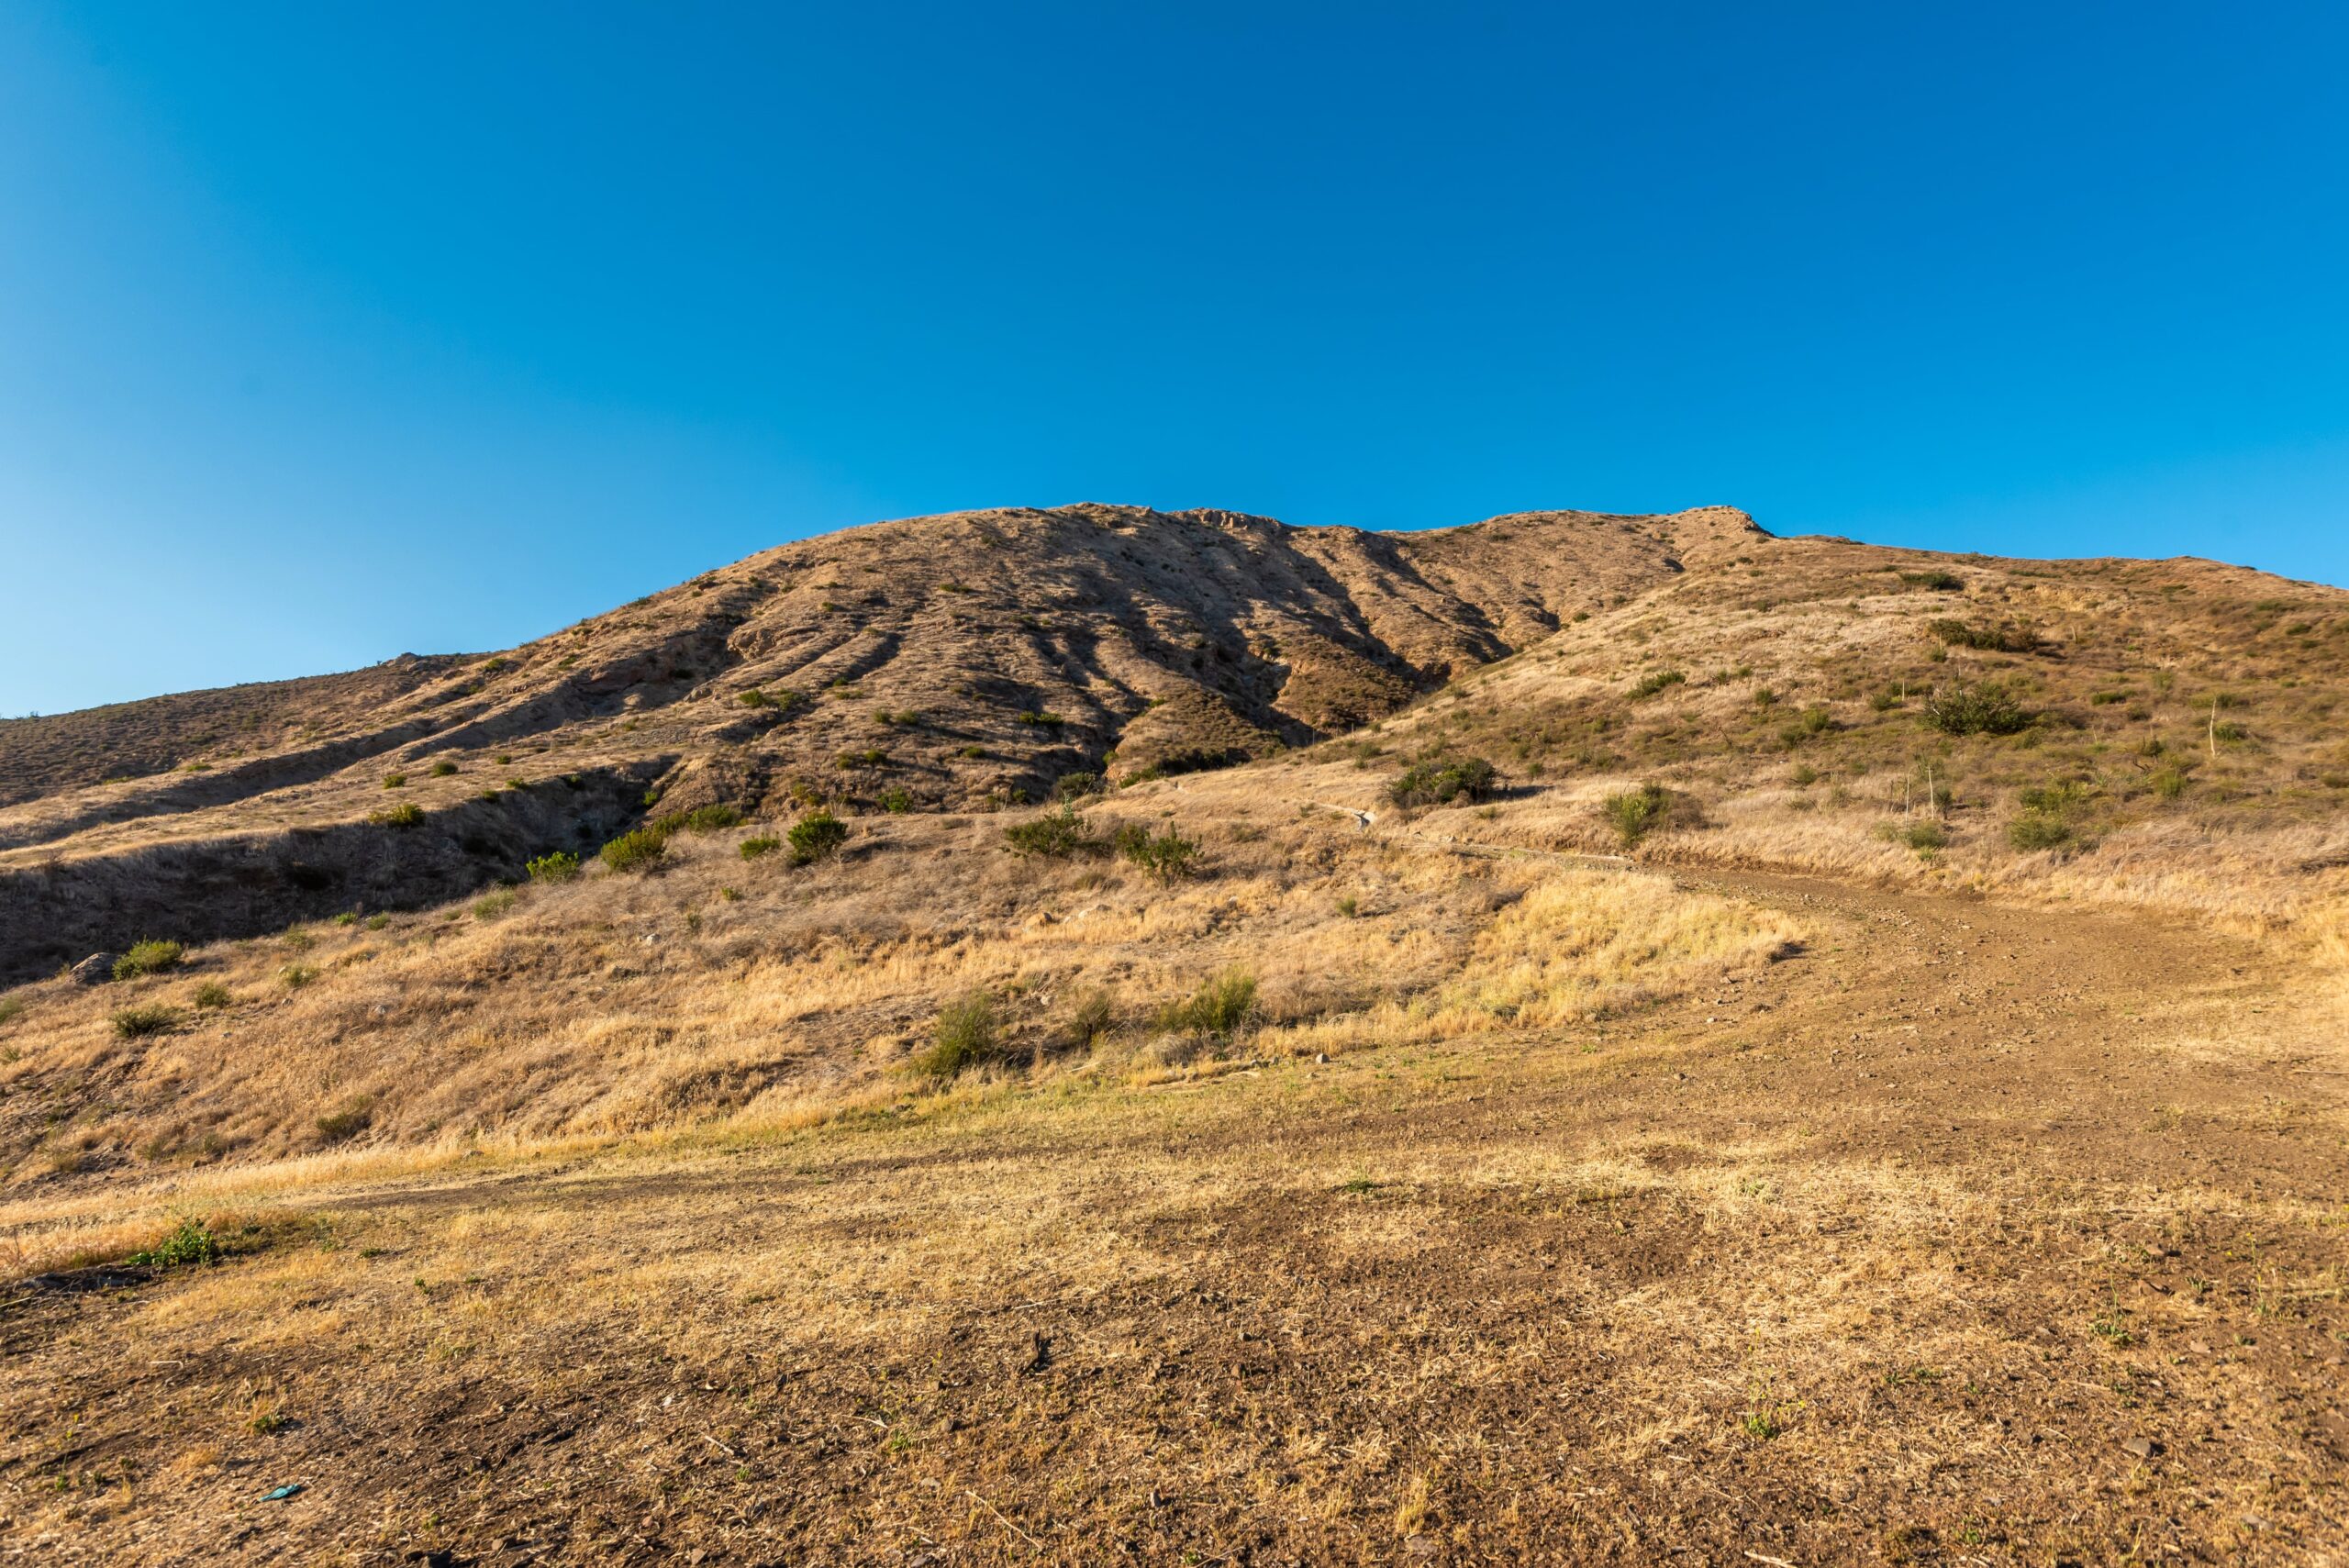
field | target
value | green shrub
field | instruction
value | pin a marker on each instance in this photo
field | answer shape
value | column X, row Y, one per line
column 395, row 781
column 1075, row 786
column 707, row 819
column 1938, row 582
column 1168, row 856
column 1058, row 834
column 964, row 1035
column 1985, row 710
column 2006, row 636
column 2054, row 799
column 147, row 958
column 1636, row 812
column 490, row 906
column 1042, row 720
column 638, row 850
column 1441, row 783
column 1926, row 838
column 296, row 975
column 136, row 1023
column 2037, row 830
column 409, row 814
column 2170, row 780
column 212, row 995
column 1765, row 696
column 755, row 698
column 190, row 1244
column 562, row 865
column 896, row 802
column 1813, row 720
column 1222, row 1006
column 1649, row 685
column 753, row 847
column 815, row 836
column 443, row 767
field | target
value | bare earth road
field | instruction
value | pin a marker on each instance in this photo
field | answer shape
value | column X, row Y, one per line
column 1966, row 1234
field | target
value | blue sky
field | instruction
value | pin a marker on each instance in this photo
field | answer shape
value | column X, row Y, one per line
column 331, row 331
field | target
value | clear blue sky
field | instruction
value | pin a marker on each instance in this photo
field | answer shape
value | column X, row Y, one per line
column 328, row 332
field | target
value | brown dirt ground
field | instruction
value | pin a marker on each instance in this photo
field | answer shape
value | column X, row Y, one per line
column 1969, row 1234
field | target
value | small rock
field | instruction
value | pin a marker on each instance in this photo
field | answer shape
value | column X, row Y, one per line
column 1322, row 1058
column 2143, row 1447
column 1420, row 1546
column 95, row 970
column 2255, row 1521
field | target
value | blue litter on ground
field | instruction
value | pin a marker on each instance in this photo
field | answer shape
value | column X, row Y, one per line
column 282, row 1493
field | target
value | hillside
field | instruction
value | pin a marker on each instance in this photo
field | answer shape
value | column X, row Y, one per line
column 1589, row 1037
column 951, row 662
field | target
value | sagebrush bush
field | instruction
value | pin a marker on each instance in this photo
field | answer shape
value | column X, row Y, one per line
column 638, row 850
column 443, row 767
column 2006, row 636
column 1926, row 838
column 561, row 865
column 815, row 836
column 1938, row 582
column 404, row 815
column 1985, row 709
column 753, row 847
column 147, row 958
column 1648, row 685
column 212, row 995
column 395, row 781
column 490, row 906
column 136, row 1023
column 1635, row 813
column 2037, row 830
column 1441, row 783
column 964, row 1035
column 1058, row 834
column 1075, row 786
column 1222, row 1006
column 1168, row 856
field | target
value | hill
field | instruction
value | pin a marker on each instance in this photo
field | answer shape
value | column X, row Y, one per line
column 1594, row 1038
column 951, row 662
